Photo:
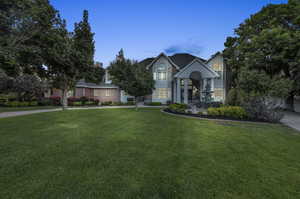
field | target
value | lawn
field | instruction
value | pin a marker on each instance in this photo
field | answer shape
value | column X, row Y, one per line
column 30, row 108
column 123, row 153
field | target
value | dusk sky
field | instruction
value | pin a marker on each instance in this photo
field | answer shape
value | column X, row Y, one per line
column 145, row 28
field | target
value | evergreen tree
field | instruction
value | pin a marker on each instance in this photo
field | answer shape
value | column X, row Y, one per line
column 131, row 77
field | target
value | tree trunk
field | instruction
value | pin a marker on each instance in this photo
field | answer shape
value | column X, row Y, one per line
column 289, row 103
column 136, row 103
column 64, row 99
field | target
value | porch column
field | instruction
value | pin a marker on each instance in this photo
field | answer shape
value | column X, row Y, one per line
column 178, row 93
column 186, row 85
column 174, row 91
column 213, row 84
column 204, row 83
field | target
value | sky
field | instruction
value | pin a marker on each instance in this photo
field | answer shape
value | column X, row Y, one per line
column 146, row 28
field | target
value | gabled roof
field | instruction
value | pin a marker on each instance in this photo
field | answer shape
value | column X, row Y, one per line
column 213, row 56
column 163, row 55
column 214, row 73
column 179, row 60
column 183, row 59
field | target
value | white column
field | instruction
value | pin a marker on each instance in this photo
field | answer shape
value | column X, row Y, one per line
column 186, row 86
column 213, row 84
column 204, row 83
column 178, row 93
column 174, row 91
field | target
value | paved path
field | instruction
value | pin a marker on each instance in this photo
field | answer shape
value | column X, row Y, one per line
column 292, row 120
column 19, row 113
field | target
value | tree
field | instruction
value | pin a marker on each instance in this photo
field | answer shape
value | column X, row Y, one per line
column 131, row 77
column 268, row 42
column 23, row 26
column 29, row 87
column 70, row 56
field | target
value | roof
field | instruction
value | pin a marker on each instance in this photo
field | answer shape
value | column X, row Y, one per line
column 83, row 84
column 179, row 59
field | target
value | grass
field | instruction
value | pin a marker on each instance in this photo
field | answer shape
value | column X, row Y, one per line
column 122, row 153
column 30, row 108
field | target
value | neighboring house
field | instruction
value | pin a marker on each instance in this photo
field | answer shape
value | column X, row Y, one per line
column 180, row 78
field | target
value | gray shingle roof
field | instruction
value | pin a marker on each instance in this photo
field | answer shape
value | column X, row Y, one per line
column 180, row 59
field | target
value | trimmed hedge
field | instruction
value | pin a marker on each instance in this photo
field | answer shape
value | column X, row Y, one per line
column 236, row 112
column 20, row 104
column 178, row 107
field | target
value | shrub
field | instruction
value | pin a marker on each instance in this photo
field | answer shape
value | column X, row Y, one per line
column 44, row 102
column 79, row 103
column 178, row 107
column 55, row 101
column 262, row 109
column 109, row 103
column 154, row 104
column 235, row 97
column 236, row 112
column 33, row 103
column 84, row 99
column 212, row 104
column 130, row 103
column 17, row 104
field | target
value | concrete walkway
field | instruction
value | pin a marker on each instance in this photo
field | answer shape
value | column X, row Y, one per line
column 292, row 120
column 19, row 113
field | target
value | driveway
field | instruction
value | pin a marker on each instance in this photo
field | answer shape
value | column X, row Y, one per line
column 292, row 120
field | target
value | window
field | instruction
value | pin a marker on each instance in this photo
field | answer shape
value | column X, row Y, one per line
column 97, row 92
column 162, row 75
column 218, row 94
column 161, row 93
column 154, row 76
column 108, row 92
column 217, row 67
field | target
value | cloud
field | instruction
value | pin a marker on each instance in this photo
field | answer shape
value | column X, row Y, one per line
column 186, row 47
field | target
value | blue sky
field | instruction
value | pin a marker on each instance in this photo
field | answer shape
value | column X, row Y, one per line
column 145, row 28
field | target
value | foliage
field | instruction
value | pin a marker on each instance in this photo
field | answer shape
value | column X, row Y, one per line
column 181, row 108
column 20, row 104
column 24, row 26
column 235, row 97
column 263, row 109
column 6, row 82
column 267, row 44
column 236, row 112
column 207, row 97
column 131, row 77
column 70, row 56
column 29, row 87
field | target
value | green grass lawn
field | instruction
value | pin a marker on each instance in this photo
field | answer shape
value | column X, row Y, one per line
column 122, row 153
column 30, row 108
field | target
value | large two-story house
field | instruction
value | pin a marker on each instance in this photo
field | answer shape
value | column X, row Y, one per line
column 180, row 78
column 183, row 78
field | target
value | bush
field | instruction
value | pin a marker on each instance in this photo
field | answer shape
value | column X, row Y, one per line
column 178, row 107
column 235, row 112
column 44, row 102
column 109, row 103
column 79, row 103
column 235, row 97
column 33, row 103
column 55, row 101
column 212, row 104
column 17, row 104
column 261, row 109
column 154, row 104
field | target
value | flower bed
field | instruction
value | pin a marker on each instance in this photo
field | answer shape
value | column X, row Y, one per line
column 234, row 113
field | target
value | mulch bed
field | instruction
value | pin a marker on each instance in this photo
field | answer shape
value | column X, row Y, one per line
column 215, row 117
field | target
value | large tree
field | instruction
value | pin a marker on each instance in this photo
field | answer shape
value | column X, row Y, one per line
column 268, row 42
column 24, row 24
column 131, row 77
column 70, row 56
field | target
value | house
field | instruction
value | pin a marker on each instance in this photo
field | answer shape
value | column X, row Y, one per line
column 180, row 78
column 183, row 78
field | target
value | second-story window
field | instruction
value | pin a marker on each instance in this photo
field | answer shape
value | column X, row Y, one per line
column 162, row 76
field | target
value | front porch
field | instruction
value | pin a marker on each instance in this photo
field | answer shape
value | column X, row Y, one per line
column 192, row 81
